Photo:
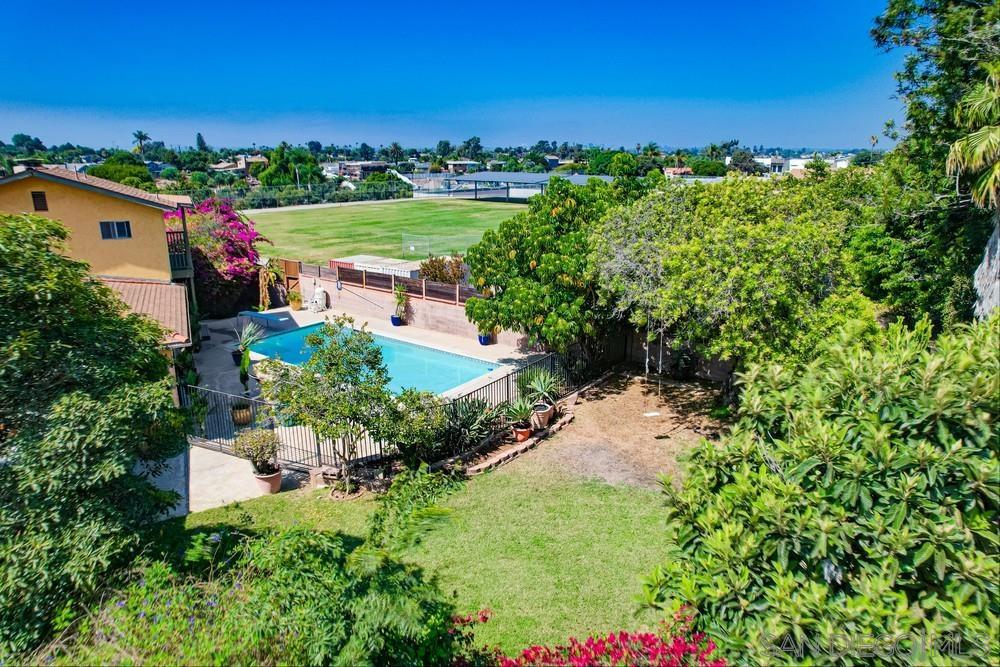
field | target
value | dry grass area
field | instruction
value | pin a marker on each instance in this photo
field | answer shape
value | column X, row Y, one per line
column 628, row 430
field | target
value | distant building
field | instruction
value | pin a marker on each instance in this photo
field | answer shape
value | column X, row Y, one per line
column 155, row 168
column 240, row 164
column 462, row 166
column 671, row 172
column 356, row 170
column 551, row 161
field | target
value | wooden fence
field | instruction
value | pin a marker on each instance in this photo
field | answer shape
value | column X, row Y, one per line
column 382, row 282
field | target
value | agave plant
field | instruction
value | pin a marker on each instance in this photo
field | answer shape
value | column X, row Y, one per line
column 246, row 337
column 469, row 422
column 519, row 411
column 249, row 335
column 543, row 387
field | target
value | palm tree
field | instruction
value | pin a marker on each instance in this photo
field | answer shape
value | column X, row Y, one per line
column 714, row 152
column 978, row 153
column 140, row 138
column 652, row 149
column 395, row 152
column 679, row 158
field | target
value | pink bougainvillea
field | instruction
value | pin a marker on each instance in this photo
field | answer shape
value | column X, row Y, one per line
column 224, row 252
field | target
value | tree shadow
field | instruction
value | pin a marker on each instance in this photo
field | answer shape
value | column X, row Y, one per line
column 170, row 541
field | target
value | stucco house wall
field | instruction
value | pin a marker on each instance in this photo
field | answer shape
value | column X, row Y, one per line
column 81, row 211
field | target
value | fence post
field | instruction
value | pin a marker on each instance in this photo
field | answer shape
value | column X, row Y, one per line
column 423, row 288
column 457, row 288
column 319, row 450
column 364, row 279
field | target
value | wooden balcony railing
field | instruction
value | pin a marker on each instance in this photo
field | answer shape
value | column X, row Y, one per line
column 179, row 252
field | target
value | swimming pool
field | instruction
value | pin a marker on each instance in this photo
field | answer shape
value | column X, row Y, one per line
column 410, row 365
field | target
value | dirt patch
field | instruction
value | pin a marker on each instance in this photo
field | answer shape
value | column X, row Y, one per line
column 628, row 430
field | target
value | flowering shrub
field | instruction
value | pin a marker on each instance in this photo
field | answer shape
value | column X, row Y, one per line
column 674, row 646
column 224, row 252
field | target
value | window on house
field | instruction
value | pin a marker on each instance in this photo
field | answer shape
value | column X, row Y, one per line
column 39, row 201
column 116, row 229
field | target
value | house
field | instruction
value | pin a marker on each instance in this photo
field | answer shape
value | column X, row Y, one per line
column 671, row 172
column 462, row 166
column 551, row 161
column 119, row 231
column 356, row 170
column 239, row 164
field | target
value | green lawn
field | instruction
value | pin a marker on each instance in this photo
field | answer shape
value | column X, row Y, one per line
column 319, row 234
column 552, row 556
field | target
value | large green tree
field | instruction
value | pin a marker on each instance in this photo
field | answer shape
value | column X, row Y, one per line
column 736, row 269
column 122, row 165
column 929, row 239
column 855, row 500
column 533, row 270
column 86, row 414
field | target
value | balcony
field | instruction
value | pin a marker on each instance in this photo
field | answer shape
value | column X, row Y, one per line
column 179, row 251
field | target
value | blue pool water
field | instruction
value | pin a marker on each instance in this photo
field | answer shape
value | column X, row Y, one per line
column 410, row 366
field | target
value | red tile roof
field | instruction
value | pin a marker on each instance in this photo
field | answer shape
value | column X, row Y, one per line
column 164, row 202
column 164, row 302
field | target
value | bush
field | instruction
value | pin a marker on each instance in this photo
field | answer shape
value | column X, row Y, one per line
column 468, row 423
column 701, row 166
column 294, row 597
column 120, row 166
column 418, row 426
column 857, row 496
column 224, row 252
column 449, row 270
column 674, row 646
column 260, row 447
column 412, row 494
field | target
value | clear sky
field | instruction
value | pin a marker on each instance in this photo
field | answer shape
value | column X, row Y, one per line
column 787, row 73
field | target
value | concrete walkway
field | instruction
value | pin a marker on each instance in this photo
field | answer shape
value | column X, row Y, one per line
column 219, row 479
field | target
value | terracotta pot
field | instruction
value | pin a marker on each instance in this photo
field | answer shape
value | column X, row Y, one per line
column 269, row 483
column 542, row 415
column 522, row 434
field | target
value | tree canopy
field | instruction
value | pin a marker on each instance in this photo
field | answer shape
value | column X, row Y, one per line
column 84, row 399
column 533, row 269
column 733, row 269
column 856, row 496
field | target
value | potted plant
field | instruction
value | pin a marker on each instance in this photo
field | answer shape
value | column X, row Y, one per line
column 294, row 300
column 249, row 335
column 260, row 447
column 485, row 338
column 402, row 299
column 542, row 388
column 519, row 413
column 242, row 413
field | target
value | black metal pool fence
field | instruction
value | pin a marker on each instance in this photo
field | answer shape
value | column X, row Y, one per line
column 217, row 417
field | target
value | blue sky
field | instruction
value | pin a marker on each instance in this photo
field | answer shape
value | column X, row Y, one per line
column 614, row 73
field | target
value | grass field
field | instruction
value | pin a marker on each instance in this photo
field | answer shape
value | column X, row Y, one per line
column 319, row 234
column 552, row 555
